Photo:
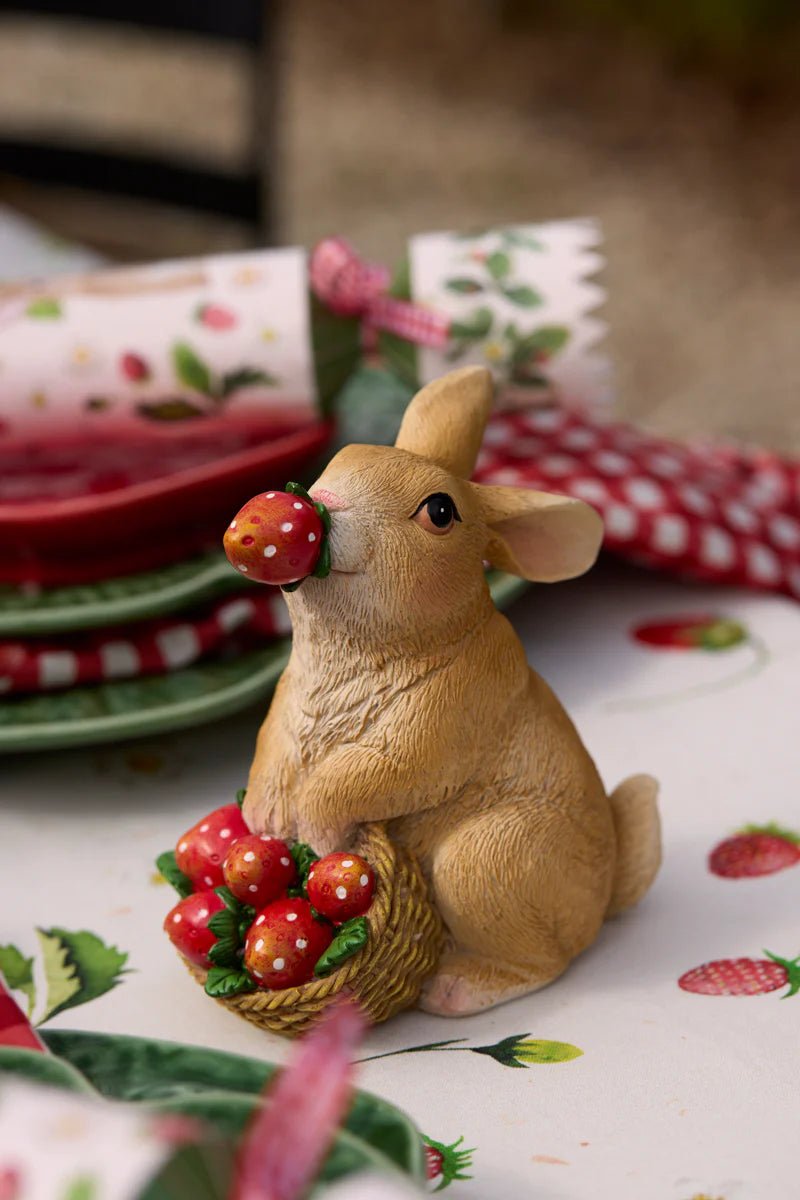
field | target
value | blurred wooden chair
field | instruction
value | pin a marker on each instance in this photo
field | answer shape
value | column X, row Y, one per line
column 144, row 127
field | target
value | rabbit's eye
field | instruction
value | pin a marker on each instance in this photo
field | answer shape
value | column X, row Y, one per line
column 437, row 513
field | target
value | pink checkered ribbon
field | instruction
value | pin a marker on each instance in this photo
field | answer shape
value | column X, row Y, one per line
column 351, row 287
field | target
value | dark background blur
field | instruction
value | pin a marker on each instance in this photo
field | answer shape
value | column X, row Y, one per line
column 183, row 127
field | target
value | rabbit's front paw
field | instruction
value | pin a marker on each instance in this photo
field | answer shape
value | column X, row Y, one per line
column 324, row 840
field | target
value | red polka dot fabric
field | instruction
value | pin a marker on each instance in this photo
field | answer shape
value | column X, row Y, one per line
column 709, row 512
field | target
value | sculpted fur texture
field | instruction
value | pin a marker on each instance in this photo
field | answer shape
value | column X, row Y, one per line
column 408, row 699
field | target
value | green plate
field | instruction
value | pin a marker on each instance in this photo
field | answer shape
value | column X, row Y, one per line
column 217, row 1087
column 157, row 704
column 25, row 612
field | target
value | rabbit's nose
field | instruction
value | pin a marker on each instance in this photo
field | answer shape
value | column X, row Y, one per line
column 332, row 502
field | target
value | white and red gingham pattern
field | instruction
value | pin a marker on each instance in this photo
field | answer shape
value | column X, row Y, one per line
column 352, row 287
column 713, row 513
column 148, row 648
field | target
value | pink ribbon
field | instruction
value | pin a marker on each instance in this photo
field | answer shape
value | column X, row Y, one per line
column 351, row 287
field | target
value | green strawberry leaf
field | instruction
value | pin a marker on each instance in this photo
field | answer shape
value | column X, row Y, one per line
column 476, row 326
column 244, row 377
column 170, row 410
column 304, row 859
column 351, row 937
column 169, row 868
column 46, row 308
column 522, row 295
column 498, row 264
column 297, row 489
column 721, row 634
column 464, row 287
column 79, row 967
column 222, row 981
column 191, row 370
column 18, row 973
column 229, row 900
column 774, row 829
column 240, row 795
column 547, row 339
column 83, row 1187
column 513, row 237
column 323, row 567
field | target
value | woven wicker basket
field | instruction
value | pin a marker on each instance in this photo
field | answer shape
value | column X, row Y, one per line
column 405, row 940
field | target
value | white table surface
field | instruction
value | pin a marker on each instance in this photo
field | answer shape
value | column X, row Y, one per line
column 675, row 1095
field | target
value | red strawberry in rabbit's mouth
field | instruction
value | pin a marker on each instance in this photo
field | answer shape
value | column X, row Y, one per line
column 280, row 538
column 754, row 851
column 743, row 976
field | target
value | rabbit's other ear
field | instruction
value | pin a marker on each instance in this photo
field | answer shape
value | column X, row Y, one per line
column 446, row 419
column 539, row 536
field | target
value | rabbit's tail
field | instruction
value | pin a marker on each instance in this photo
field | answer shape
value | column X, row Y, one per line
column 638, row 829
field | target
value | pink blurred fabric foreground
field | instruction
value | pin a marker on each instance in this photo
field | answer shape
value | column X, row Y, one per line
column 289, row 1137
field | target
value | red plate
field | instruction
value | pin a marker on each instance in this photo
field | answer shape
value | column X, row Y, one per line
column 74, row 511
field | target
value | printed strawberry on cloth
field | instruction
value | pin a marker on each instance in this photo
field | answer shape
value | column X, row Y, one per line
column 665, row 1063
column 717, row 513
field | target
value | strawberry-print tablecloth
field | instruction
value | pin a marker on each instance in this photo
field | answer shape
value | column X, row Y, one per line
column 615, row 1081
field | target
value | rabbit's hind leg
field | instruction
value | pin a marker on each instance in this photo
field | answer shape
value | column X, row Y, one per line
column 466, row 984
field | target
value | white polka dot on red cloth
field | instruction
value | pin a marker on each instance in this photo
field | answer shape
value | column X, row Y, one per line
column 784, row 531
column 670, row 533
column 717, row 547
column 621, row 521
column 609, row 462
column 579, row 439
column 556, row 465
column 763, row 563
column 696, row 500
column 546, row 420
column 593, row 491
column 740, row 516
column 644, row 493
column 665, row 466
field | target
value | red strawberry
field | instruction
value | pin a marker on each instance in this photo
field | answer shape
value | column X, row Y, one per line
column 284, row 943
column 743, row 976
column 200, row 852
column 214, row 316
column 447, row 1162
column 186, row 925
column 341, row 886
column 258, row 869
column 694, row 632
column 134, row 367
column 755, row 850
column 276, row 538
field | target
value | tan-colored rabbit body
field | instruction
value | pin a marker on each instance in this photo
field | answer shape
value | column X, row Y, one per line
column 408, row 699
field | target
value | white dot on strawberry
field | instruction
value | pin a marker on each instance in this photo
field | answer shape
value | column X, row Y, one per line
column 232, row 525
column 249, row 856
column 186, row 925
column 292, row 916
column 301, row 943
column 297, row 505
column 278, row 964
column 287, row 527
column 285, row 861
column 270, row 495
column 204, row 827
column 259, row 944
column 270, row 551
column 341, row 886
column 312, row 537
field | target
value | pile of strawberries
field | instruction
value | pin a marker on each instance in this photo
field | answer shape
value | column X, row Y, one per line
column 256, row 912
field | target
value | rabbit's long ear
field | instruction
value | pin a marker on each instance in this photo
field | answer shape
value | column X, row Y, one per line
column 446, row 419
column 537, row 535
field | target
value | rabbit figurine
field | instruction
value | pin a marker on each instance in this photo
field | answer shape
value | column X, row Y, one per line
column 408, row 700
